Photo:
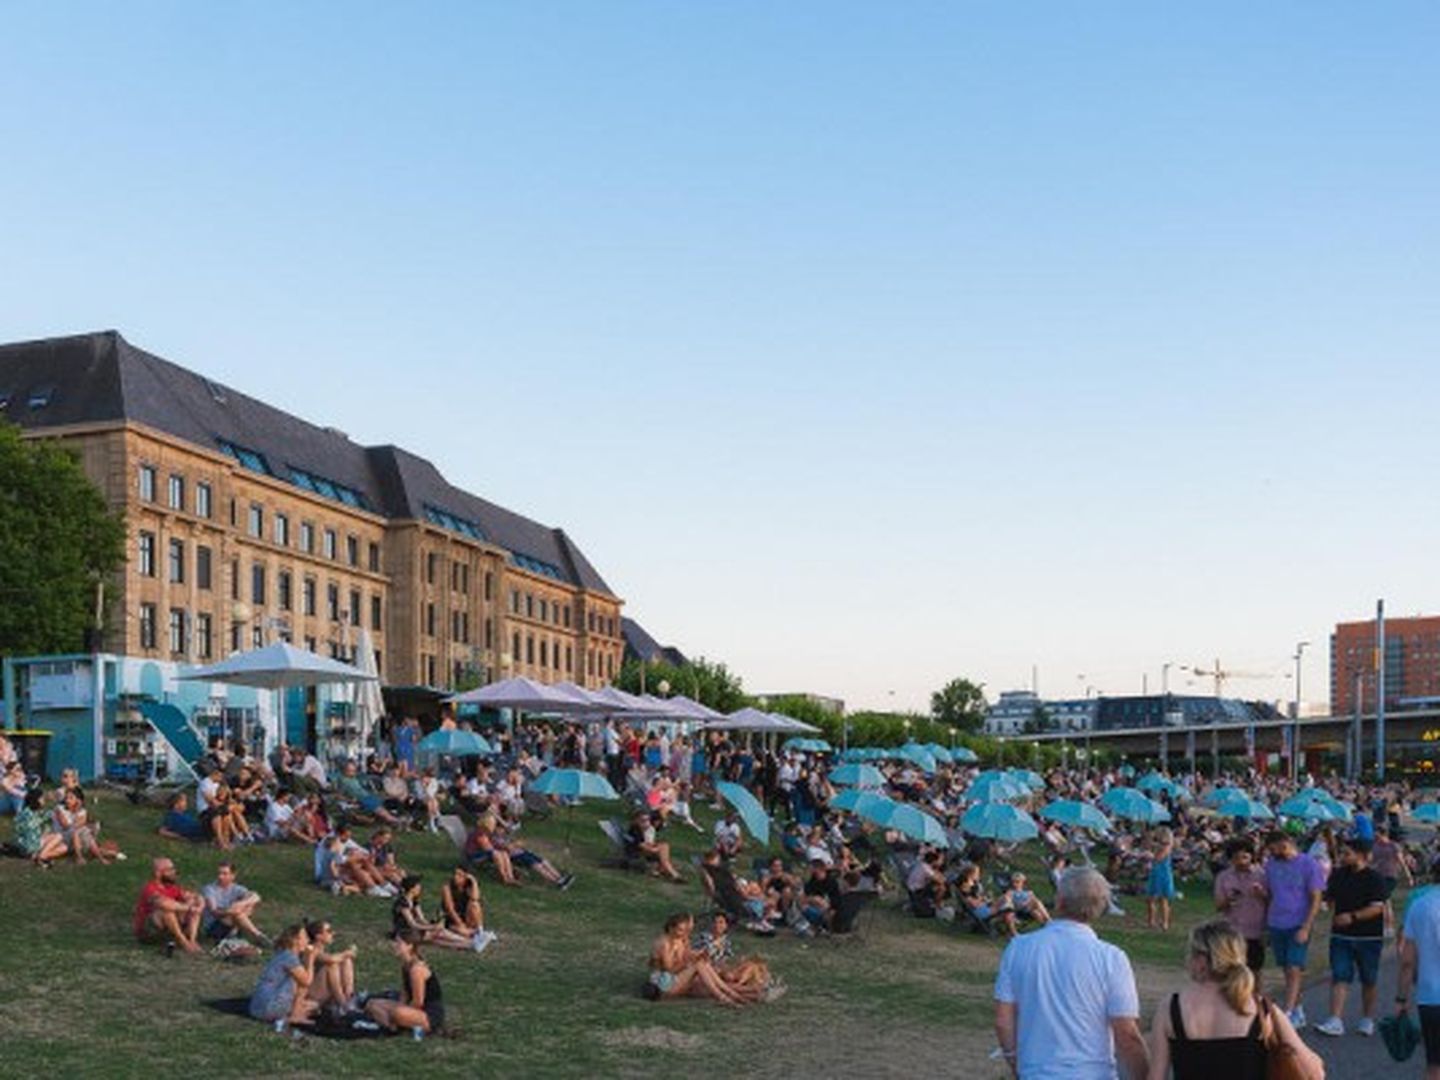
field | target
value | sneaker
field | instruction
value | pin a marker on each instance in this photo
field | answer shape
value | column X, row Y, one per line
column 1297, row 1017
column 377, row 890
column 481, row 940
column 1332, row 1026
column 565, row 882
column 336, row 888
column 1366, row 1027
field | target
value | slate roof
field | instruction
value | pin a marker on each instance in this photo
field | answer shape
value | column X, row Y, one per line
column 100, row 377
column 640, row 645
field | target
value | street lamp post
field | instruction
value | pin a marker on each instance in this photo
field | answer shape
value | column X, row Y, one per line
column 1295, row 727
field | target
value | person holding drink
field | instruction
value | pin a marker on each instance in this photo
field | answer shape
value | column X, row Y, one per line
column 1242, row 896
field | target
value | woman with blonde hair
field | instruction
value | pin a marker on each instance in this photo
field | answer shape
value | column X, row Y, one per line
column 1218, row 1026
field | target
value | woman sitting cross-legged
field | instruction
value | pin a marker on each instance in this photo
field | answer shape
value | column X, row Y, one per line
column 460, row 899
column 421, row 1006
column 408, row 919
column 282, row 993
column 677, row 970
column 32, row 837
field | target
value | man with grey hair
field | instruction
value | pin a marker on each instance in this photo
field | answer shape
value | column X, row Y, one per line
column 1066, row 1005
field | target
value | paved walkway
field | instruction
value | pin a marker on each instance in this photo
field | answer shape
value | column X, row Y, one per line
column 1351, row 1056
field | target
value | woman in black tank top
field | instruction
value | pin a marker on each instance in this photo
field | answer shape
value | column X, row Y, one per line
column 1216, row 1028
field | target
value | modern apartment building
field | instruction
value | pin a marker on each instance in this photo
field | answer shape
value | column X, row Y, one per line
column 247, row 524
column 1412, row 663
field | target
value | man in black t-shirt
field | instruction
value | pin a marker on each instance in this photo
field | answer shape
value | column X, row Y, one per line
column 1357, row 895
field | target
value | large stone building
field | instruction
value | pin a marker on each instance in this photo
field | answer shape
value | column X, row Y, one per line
column 247, row 524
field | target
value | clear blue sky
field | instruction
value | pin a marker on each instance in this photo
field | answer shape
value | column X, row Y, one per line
column 860, row 345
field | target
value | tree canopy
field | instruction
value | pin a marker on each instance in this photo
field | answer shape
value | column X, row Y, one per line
column 709, row 683
column 961, row 704
column 57, row 541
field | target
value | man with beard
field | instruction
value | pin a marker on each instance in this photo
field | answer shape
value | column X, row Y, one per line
column 167, row 913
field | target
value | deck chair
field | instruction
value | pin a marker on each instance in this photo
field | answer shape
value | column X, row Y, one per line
column 620, row 858
column 454, row 828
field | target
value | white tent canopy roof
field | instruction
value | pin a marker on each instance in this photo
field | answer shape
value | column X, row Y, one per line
column 277, row 666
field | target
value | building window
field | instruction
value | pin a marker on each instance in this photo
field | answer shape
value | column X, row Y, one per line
column 544, row 610
column 308, row 594
column 257, row 584
column 590, row 662
column 515, row 647
column 354, row 607
column 544, row 653
column 203, row 500
column 374, row 558
column 429, row 620
column 329, row 543
column 515, row 601
column 307, row 538
column 569, row 657
column 284, row 588
column 257, row 521
column 430, row 671
column 590, row 622
column 465, row 628
column 311, row 644
column 147, row 554
column 352, row 550
column 282, row 530
column 235, row 581
column 203, row 640
column 529, row 605
column 565, row 612
column 465, row 578
column 176, row 492
column 257, row 638
column 430, row 560
column 374, row 613
column 332, row 601
column 234, row 521
column 177, row 631
column 530, row 650
column 147, row 483
column 237, row 638
column 202, row 567
column 147, row 626
column 489, row 584
column 177, row 561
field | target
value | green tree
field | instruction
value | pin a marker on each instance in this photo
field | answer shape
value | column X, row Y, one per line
column 712, row 684
column 57, row 542
column 959, row 704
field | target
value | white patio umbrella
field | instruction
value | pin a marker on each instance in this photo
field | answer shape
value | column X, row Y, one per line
column 749, row 719
column 524, row 695
column 796, row 726
column 369, row 702
column 277, row 667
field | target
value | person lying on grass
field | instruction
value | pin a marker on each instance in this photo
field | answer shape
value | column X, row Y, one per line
column 333, row 984
column 179, row 823
column 642, row 840
column 421, row 1006
column 487, row 843
column 408, row 919
column 230, row 907
column 678, row 970
column 282, row 993
column 165, row 913
column 41, row 844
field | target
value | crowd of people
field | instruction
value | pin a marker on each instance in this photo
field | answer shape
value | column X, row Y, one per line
column 1065, row 1000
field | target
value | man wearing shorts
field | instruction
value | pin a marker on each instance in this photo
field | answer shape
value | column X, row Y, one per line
column 1420, row 973
column 1296, row 884
column 1357, row 894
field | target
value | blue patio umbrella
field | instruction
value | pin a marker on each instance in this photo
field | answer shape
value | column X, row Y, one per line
column 572, row 784
column 963, row 755
column 1127, row 770
column 1219, row 794
column 1429, row 812
column 455, row 742
column 856, row 774
column 917, row 755
column 996, row 788
column 863, row 804
column 1029, row 778
column 916, row 824
column 1073, row 812
column 1152, row 781
column 1309, row 810
column 808, row 746
column 1239, row 805
column 999, row 821
column 752, row 814
column 938, row 752
column 1134, row 805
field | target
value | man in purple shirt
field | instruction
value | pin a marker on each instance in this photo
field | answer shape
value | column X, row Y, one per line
column 1296, row 885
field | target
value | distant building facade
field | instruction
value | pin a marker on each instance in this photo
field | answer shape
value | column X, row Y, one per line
column 246, row 524
column 1018, row 711
column 1412, row 664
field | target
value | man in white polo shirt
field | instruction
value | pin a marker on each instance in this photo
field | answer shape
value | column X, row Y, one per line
column 1066, row 1006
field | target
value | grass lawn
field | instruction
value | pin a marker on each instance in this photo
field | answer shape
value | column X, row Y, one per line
column 558, row 995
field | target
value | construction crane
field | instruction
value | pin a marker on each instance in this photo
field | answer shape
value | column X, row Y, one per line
column 1221, row 676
